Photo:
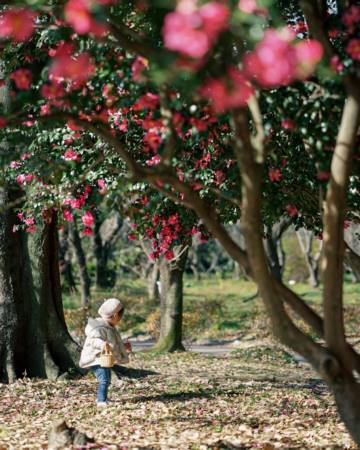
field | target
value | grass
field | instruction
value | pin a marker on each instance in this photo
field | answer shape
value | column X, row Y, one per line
column 213, row 308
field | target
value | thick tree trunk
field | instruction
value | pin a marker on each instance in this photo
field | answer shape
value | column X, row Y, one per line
column 171, row 306
column 34, row 340
column 152, row 283
column 81, row 261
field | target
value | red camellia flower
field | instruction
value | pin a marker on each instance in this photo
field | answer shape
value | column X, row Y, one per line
column 72, row 68
column 88, row 219
column 275, row 175
column 3, row 122
column 87, row 232
column 353, row 49
column 52, row 91
column 288, row 124
column 169, row 254
column 17, row 23
column 22, row 78
column 227, row 93
column 194, row 32
column 291, row 210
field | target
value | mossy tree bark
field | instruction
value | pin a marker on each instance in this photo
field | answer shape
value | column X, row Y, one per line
column 34, row 340
column 171, row 303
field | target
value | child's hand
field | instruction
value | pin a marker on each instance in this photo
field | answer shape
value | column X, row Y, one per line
column 128, row 347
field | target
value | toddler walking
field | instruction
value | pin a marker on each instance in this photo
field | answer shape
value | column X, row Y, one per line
column 101, row 334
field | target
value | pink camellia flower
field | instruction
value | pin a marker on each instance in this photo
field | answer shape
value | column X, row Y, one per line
column 22, row 78
column 275, row 175
column 29, row 178
column 291, row 210
column 68, row 216
column 31, row 229
column 288, row 124
column 153, row 161
column 29, row 221
column 273, row 61
column 71, row 155
column 101, row 183
column 25, row 156
column 73, row 68
column 353, row 49
column 137, row 68
column 15, row 164
column 131, row 237
column 308, row 54
column 52, row 91
column 87, row 232
column 351, row 17
column 79, row 15
column 3, row 122
column 228, row 93
column 194, row 32
column 88, row 219
column 251, row 7
column 336, row 63
column 17, row 23
column 20, row 178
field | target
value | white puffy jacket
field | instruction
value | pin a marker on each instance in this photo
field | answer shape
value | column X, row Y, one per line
column 98, row 332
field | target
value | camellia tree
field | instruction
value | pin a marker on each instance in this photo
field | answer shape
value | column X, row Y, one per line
column 238, row 77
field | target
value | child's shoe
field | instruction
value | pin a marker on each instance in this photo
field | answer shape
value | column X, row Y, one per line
column 101, row 404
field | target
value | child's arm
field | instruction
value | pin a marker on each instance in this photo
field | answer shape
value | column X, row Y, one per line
column 98, row 339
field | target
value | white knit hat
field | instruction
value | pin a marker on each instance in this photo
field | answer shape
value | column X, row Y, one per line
column 110, row 307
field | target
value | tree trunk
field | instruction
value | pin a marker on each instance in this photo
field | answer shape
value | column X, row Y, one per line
column 171, row 306
column 66, row 269
column 106, row 233
column 305, row 238
column 81, row 260
column 34, row 340
column 152, row 283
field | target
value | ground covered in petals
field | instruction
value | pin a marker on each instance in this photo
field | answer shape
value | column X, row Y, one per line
column 257, row 398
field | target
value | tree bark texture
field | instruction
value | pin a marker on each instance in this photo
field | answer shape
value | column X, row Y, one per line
column 85, row 281
column 106, row 233
column 305, row 238
column 171, row 303
column 152, row 283
column 34, row 340
column 66, row 269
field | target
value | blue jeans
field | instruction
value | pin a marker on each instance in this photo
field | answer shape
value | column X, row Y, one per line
column 103, row 375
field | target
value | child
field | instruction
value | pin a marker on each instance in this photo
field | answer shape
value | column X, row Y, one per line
column 101, row 334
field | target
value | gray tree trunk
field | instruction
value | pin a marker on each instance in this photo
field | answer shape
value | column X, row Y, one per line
column 34, row 340
column 171, row 303
column 305, row 238
column 152, row 282
column 85, row 281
